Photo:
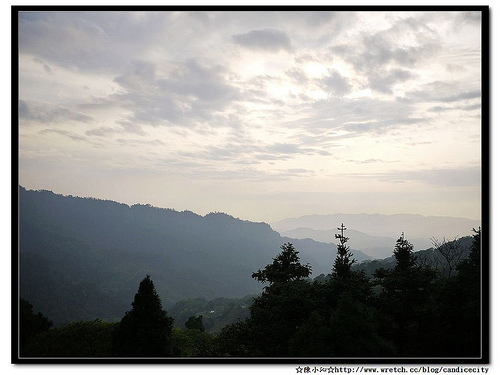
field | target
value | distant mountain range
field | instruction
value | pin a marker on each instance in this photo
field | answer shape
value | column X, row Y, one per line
column 83, row 258
column 373, row 233
column 375, row 247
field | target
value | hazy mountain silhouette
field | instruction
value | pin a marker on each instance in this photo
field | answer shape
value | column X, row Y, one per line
column 414, row 226
column 374, row 246
column 82, row 258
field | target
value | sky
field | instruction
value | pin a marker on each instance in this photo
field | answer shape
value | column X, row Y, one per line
column 263, row 115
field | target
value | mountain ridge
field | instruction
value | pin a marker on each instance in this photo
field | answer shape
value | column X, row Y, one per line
column 380, row 225
column 374, row 246
column 82, row 258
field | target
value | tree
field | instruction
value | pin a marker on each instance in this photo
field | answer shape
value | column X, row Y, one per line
column 343, row 261
column 458, row 307
column 403, row 252
column 195, row 323
column 30, row 324
column 145, row 330
column 285, row 267
column 77, row 339
column 343, row 278
column 404, row 300
column 451, row 251
column 283, row 306
column 238, row 340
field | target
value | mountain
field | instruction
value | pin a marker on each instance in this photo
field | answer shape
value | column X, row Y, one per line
column 430, row 257
column 374, row 246
column 414, row 226
column 83, row 258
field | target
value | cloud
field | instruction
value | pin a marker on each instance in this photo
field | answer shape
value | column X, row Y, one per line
column 131, row 127
column 348, row 118
column 91, row 41
column 444, row 92
column 204, row 83
column 392, row 55
column 187, row 94
column 265, row 40
column 102, row 131
column 65, row 133
column 299, row 171
column 140, row 142
column 369, row 161
column 335, row 83
column 449, row 177
column 465, row 95
column 252, row 151
column 49, row 113
column 381, row 126
column 384, row 81
column 440, row 108
column 256, row 96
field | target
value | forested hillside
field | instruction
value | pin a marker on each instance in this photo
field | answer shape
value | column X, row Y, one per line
column 81, row 258
column 410, row 310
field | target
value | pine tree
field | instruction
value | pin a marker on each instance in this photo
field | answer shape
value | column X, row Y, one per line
column 285, row 267
column 403, row 252
column 283, row 306
column 405, row 300
column 343, row 261
column 145, row 330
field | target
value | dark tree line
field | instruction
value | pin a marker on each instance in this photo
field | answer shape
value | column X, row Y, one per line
column 410, row 310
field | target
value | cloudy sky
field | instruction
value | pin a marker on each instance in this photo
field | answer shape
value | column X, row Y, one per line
column 263, row 115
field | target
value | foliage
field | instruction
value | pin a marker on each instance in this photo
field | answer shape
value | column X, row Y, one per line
column 285, row 267
column 145, row 330
column 193, row 343
column 195, row 323
column 77, row 339
column 80, row 257
column 30, row 325
column 407, row 309
column 405, row 300
column 457, row 312
column 451, row 252
column 238, row 340
column 277, row 313
column 217, row 313
column 343, row 261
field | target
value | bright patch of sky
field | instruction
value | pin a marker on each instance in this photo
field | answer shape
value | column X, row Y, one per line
column 263, row 115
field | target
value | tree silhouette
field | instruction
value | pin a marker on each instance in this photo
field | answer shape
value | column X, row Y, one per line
column 145, row 330
column 283, row 306
column 403, row 252
column 451, row 251
column 77, row 339
column 194, row 322
column 458, row 307
column 30, row 324
column 285, row 267
column 404, row 300
column 343, row 261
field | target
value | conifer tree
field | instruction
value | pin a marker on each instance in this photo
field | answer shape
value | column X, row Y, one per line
column 403, row 252
column 405, row 300
column 285, row 267
column 145, row 330
column 343, row 261
column 283, row 306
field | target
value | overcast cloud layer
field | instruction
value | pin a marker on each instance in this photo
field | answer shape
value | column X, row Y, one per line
column 263, row 115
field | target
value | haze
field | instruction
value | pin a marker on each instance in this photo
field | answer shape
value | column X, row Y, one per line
column 262, row 115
